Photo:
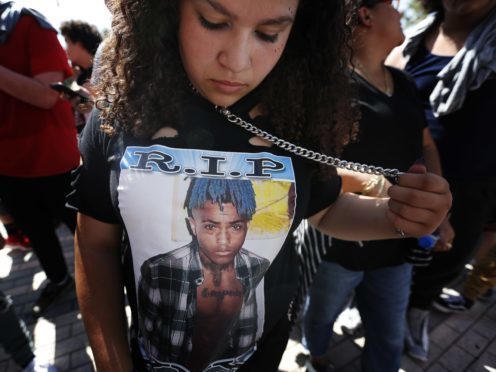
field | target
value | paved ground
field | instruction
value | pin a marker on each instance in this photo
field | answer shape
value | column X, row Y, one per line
column 462, row 342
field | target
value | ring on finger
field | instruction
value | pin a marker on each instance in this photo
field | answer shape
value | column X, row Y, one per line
column 399, row 232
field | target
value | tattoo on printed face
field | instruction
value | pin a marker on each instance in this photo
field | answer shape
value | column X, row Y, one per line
column 206, row 293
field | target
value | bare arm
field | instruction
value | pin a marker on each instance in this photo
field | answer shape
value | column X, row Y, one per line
column 35, row 91
column 353, row 181
column 417, row 206
column 100, row 293
column 363, row 183
column 355, row 217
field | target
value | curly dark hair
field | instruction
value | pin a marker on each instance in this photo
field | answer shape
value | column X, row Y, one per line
column 79, row 31
column 307, row 96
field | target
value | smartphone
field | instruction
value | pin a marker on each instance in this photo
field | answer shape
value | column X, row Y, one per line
column 61, row 88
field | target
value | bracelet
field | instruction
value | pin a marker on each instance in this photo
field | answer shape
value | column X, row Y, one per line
column 370, row 185
column 375, row 186
column 381, row 186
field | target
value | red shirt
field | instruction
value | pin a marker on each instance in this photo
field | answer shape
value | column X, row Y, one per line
column 35, row 142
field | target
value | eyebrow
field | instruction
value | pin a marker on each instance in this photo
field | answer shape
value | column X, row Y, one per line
column 218, row 222
column 267, row 22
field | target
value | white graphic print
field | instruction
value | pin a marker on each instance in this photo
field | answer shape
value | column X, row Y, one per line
column 203, row 227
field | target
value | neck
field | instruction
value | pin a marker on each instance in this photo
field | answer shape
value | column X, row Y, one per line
column 369, row 54
column 213, row 267
column 371, row 68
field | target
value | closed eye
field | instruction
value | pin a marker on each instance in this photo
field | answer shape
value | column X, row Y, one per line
column 270, row 38
column 212, row 25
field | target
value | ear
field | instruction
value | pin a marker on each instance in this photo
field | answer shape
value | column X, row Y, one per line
column 192, row 225
column 365, row 16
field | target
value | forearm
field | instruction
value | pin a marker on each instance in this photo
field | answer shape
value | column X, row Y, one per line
column 99, row 285
column 364, row 183
column 353, row 181
column 417, row 205
column 29, row 90
column 431, row 154
column 354, row 217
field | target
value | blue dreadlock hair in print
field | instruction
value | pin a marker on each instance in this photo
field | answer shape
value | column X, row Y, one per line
column 238, row 192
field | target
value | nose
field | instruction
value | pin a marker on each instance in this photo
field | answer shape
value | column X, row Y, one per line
column 236, row 55
column 223, row 238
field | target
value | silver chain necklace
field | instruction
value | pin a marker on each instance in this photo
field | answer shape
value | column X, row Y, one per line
column 391, row 174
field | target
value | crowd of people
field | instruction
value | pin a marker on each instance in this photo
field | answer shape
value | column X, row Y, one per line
column 185, row 150
column 39, row 150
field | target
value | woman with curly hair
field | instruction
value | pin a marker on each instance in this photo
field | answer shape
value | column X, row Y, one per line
column 179, row 76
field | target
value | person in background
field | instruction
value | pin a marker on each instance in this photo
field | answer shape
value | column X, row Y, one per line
column 393, row 134
column 15, row 238
column 279, row 64
column 38, row 142
column 82, row 41
column 451, row 55
column 15, row 338
column 16, row 341
column 479, row 283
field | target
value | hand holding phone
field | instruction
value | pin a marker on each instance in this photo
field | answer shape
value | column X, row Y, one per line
column 70, row 93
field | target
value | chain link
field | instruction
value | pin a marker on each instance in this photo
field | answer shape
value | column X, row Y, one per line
column 391, row 174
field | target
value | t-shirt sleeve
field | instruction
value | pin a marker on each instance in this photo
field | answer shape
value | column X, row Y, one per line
column 91, row 181
column 323, row 193
column 45, row 52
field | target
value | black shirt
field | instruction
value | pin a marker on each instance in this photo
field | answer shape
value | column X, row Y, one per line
column 390, row 136
column 142, row 185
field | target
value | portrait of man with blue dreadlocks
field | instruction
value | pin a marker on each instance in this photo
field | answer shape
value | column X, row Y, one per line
column 204, row 293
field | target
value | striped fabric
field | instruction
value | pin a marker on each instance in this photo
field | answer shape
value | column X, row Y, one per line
column 310, row 246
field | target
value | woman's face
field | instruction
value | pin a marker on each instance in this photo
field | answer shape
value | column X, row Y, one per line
column 229, row 46
column 467, row 7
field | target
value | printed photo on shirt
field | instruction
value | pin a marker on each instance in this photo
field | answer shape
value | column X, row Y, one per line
column 200, row 260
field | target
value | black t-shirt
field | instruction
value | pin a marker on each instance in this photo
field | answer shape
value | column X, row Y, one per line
column 149, row 186
column 390, row 136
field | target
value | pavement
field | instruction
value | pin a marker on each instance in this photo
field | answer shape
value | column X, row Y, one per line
column 459, row 342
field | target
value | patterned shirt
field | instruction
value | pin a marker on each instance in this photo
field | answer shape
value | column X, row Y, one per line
column 167, row 303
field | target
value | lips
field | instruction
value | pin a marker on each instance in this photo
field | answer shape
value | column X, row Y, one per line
column 223, row 253
column 228, row 87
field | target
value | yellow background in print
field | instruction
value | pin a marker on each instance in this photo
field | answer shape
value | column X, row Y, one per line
column 272, row 216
